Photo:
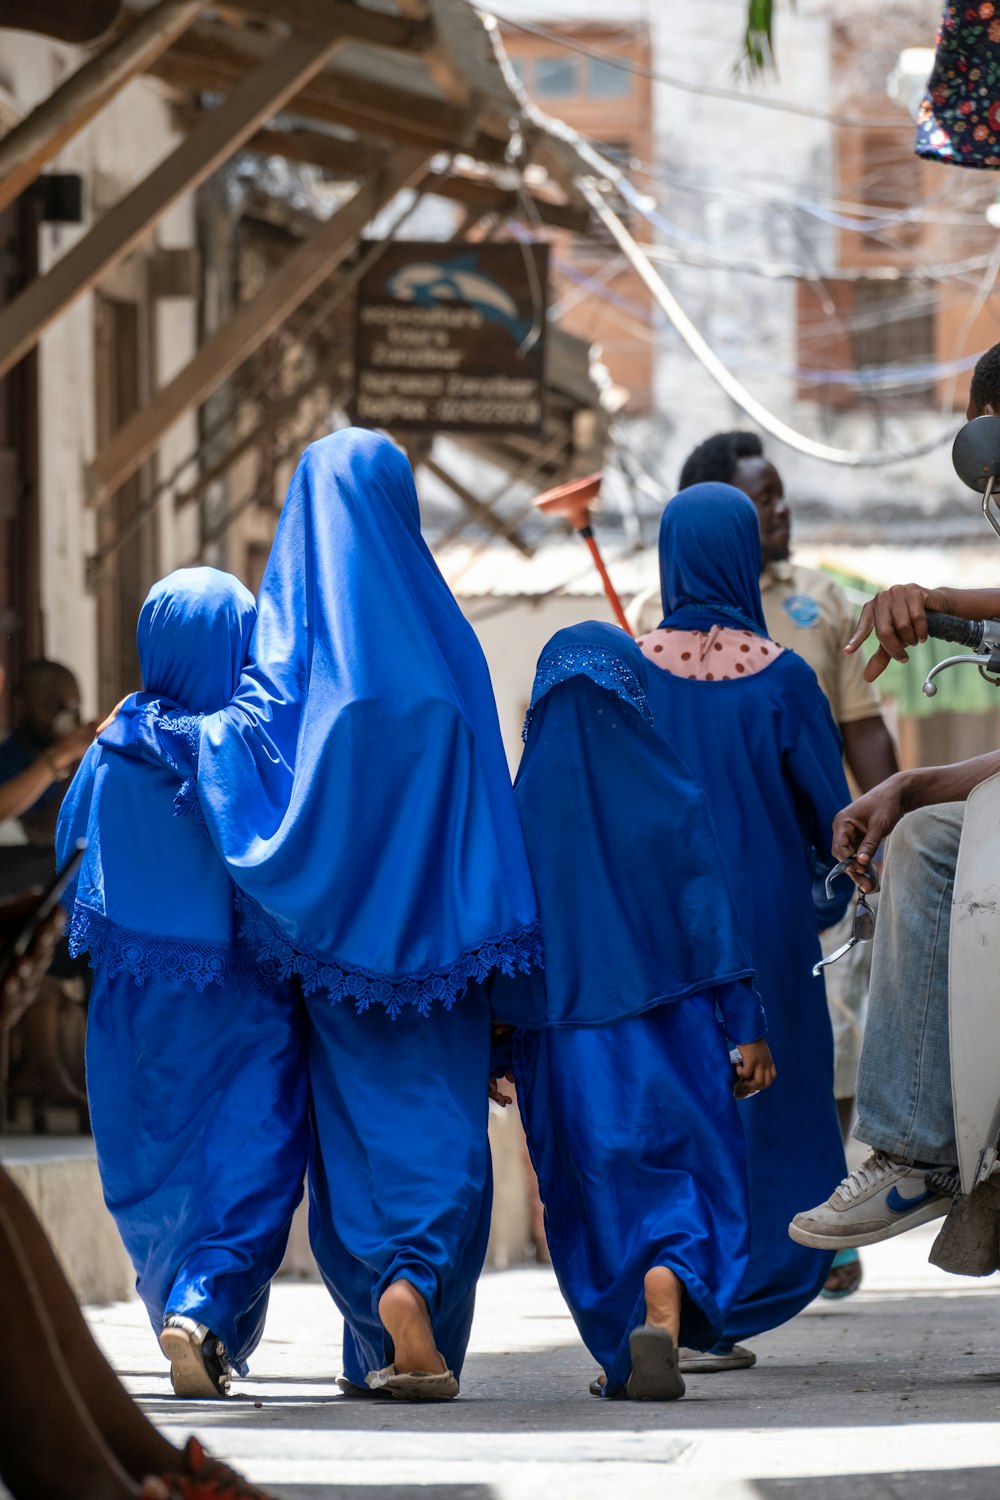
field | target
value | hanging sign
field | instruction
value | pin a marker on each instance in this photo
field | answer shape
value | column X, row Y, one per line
column 452, row 338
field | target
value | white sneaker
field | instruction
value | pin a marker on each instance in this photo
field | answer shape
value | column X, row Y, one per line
column 880, row 1198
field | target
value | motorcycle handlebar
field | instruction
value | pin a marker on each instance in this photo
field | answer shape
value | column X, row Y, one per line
column 950, row 628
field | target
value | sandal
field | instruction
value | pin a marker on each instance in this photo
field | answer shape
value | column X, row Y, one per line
column 417, row 1385
column 199, row 1365
column 714, row 1362
column 655, row 1374
column 845, row 1275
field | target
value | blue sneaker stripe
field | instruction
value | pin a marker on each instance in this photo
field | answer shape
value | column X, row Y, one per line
column 897, row 1204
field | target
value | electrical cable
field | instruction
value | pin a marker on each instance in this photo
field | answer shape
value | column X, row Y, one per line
column 737, row 392
column 711, row 91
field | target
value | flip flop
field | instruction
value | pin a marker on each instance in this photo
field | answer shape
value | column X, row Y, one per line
column 694, row 1362
column 655, row 1376
column 847, row 1261
column 418, row 1385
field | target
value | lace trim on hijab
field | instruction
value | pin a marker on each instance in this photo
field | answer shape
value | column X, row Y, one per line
column 143, row 956
column 510, row 953
column 602, row 666
column 187, row 802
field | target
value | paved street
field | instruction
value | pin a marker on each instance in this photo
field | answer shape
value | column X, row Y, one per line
column 893, row 1393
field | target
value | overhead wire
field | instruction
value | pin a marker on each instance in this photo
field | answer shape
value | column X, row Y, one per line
column 688, row 86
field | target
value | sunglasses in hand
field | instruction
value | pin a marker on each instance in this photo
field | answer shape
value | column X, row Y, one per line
column 863, row 927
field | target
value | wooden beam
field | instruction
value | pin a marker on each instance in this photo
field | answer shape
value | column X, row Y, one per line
column 483, row 194
column 216, row 360
column 477, row 509
column 376, row 28
column 222, row 132
column 332, row 152
column 33, row 143
column 338, row 98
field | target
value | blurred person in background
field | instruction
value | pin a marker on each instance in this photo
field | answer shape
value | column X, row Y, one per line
column 806, row 611
column 37, row 759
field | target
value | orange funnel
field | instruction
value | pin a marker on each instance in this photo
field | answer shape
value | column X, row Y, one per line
column 573, row 501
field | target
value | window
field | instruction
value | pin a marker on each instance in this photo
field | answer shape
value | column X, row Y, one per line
column 608, row 80
column 557, row 77
column 520, row 68
column 877, row 327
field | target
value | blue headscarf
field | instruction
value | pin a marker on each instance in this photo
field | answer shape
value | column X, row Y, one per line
column 357, row 787
column 710, row 560
column 152, row 896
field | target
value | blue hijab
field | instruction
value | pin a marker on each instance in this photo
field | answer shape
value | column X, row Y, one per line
column 152, row 896
column 356, row 787
column 710, row 560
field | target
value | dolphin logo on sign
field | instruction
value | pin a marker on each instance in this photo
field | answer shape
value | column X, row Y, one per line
column 428, row 284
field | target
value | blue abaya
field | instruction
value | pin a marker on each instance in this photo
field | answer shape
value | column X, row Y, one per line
column 357, row 791
column 622, row 1066
column 768, row 754
column 196, row 1070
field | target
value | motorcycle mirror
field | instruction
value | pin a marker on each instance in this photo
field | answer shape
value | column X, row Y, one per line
column 976, row 453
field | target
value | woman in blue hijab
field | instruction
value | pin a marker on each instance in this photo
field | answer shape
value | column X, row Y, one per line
column 357, row 791
column 750, row 721
column 195, row 1058
column 624, row 1079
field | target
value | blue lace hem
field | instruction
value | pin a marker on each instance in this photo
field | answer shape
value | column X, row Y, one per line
column 604, row 667
column 510, row 953
column 142, row 956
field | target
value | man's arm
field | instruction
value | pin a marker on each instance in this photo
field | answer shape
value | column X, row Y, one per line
column 23, row 790
column 859, row 828
column 869, row 751
column 898, row 616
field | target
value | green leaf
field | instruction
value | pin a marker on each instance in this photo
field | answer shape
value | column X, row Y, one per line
column 757, row 56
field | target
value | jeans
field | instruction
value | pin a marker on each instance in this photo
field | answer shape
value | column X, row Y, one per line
column 904, row 1078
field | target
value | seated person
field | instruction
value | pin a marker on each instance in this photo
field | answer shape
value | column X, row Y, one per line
column 36, row 761
column 904, row 1080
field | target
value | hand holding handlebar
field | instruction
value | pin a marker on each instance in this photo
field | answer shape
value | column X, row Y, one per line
column 898, row 616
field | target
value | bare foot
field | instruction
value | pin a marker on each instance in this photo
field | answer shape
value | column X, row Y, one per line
column 663, row 1300
column 406, row 1320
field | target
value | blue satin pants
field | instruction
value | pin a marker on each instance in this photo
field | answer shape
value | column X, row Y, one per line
column 400, row 1177
column 634, row 1134
column 199, row 1108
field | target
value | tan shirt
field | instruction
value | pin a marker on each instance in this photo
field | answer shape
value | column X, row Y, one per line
column 807, row 612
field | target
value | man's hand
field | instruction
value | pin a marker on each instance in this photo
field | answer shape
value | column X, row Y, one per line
column 859, row 828
column 756, row 1071
column 70, row 749
column 898, row 616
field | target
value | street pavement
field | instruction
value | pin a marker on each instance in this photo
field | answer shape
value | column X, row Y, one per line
column 893, row 1392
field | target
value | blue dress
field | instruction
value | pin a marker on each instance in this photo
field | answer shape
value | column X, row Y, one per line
column 768, row 754
column 357, row 792
column 196, row 1064
column 622, row 1066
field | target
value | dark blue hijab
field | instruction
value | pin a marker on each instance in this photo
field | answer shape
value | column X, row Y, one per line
column 356, row 787
column 152, row 896
column 710, row 560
